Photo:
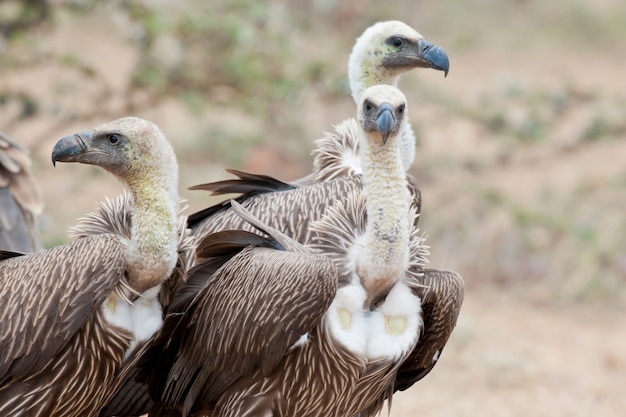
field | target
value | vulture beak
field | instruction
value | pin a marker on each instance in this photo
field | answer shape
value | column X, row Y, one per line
column 70, row 148
column 434, row 56
column 418, row 54
column 385, row 121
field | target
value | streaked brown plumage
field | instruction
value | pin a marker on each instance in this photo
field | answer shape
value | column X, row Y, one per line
column 259, row 303
column 20, row 199
column 289, row 210
column 58, row 347
column 114, row 216
column 233, row 298
column 442, row 295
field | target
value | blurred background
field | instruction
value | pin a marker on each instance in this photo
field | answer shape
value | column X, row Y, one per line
column 521, row 154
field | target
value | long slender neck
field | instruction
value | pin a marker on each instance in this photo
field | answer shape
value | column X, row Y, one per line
column 153, row 245
column 386, row 254
column 365, row 72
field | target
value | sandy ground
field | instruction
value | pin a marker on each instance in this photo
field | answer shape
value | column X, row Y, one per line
column 508, row 359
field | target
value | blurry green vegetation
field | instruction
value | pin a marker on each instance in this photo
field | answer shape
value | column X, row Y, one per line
column 243, row 52
column 17, row 16
column 249, row 53
column 197, row 45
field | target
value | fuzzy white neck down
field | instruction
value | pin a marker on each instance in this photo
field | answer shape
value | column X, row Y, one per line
column 152, row 251
column 365, row 69
column 408, row 144
column 385, row 258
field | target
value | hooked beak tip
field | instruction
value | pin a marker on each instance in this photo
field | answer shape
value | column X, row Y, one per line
column 436, row 56
column 385, row 121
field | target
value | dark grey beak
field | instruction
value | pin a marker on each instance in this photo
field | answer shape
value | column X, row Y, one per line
column 435, row 56
column 69, row 148
column 385, row 120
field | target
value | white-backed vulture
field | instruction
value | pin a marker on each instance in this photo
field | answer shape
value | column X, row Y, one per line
column 273, row 333
column 380, row 55
column 67, row 320
column 20, row 199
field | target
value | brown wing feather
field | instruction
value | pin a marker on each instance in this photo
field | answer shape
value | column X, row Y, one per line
column 248, row 185
column 442, row 296
column 127, row 395
column 47, row 296
column 290, row 211
column 248, row 315
column 245, row 183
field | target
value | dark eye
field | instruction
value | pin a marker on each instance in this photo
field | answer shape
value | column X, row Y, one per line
column 397, row 42
column 401, row 109
column 113, row 139
column 368, row 107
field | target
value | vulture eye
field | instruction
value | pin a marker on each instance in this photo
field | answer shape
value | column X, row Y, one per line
column 368, row 107
column 401, row 109
column 397, row 42
column 113, row 139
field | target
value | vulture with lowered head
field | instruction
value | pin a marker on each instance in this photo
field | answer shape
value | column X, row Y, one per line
column 70, row 314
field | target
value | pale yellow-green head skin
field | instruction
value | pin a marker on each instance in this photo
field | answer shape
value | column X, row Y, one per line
column 366, row 67
column 138, row 154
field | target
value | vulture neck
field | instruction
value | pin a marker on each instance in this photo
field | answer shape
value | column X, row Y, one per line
column 386, row 254
column 365, row 70
column 153, row 244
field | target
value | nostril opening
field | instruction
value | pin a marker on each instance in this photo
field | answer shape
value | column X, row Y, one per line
column 81, row 142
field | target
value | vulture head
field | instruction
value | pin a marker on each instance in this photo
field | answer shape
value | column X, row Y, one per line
column 130, row 148
column 138, row 154
column 381, row 113
column 386, row 50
